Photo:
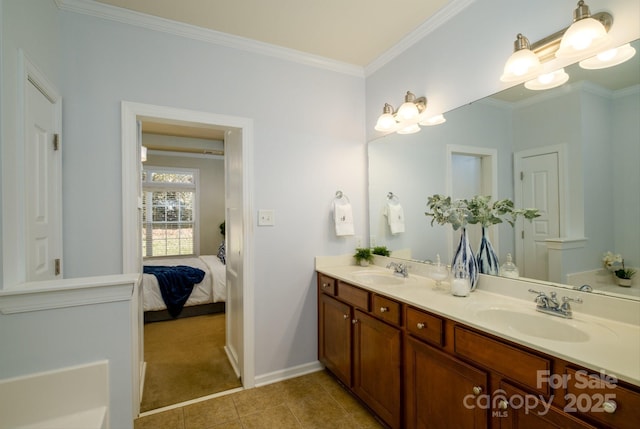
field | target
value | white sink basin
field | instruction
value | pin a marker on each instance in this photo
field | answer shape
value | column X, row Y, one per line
column 542, row 325
column 379, row 278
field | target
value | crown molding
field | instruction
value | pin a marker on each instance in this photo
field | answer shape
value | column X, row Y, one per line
column 105, row 11
column 437, row 20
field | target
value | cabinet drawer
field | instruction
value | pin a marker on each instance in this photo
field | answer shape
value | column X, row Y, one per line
column 353, row 295
column 593, row 396
column 514, row 363
column 387, row 309
column 326, row 284
column 425, row 326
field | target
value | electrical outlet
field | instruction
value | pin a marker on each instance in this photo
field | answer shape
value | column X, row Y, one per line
column 266, row 217
column 372, row 240
column 358, row 241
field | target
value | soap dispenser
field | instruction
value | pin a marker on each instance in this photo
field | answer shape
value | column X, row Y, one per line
column 461, row 285
column 509, row 269
column 439, row 272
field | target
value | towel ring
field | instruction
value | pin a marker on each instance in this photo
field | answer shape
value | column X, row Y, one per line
column 340, row 195
column 392, row 197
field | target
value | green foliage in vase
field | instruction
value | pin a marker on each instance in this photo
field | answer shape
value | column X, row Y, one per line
column 625, row 273
column 381, row 250
column 477, row 210
column 363, row 253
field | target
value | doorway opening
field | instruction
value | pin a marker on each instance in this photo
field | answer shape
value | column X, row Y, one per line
column 472, row 171
column 239, row 313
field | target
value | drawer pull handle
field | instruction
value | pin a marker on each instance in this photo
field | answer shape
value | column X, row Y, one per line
column 610, row 406
column 420, row 325
column 477, row 390
column 354, row 321
column 503, row 405
column 384, row 309
column 346, row 316
column 325, row 285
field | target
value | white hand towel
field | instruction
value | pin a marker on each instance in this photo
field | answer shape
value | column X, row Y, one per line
column 395, row 217
column 343, row 218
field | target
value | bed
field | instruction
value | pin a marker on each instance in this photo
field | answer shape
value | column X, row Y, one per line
column 207, row 296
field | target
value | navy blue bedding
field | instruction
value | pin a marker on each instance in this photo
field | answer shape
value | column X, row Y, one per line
column 176, row 284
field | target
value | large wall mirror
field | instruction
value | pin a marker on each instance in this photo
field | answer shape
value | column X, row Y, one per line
column 591, row 122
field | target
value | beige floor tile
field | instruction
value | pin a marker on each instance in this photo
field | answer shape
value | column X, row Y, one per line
column 203, row 415
column 172, row 419
column 253, row 400
column 317, row 411
column 313, row 401
column 279, row 417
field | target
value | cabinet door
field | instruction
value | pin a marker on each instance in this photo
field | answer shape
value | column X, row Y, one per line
column 376, row 366
column 522, row 410
column 334, row 337
column 442, row 391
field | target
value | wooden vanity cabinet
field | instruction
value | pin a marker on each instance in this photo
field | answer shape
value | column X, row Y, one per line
column 513, row 415
column 334, row 337
column 377, row 366
column 437, row 388
column 419, row 370
column 361, row 346
column 601, row 399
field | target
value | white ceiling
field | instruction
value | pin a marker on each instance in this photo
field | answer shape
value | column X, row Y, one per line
column 350, row 31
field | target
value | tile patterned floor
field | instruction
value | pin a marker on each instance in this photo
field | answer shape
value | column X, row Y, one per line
column 314, row 401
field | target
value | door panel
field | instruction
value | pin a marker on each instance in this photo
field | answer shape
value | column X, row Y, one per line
column 234, row 251
column 43, row 174
column 540, row 189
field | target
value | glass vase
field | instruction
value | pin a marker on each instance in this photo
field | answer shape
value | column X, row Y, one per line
column 486, row 256
column 465, row 255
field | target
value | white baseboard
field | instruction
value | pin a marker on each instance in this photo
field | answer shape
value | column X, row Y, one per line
column 284, row 374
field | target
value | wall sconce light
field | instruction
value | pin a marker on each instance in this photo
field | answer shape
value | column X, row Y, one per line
column 586, row 36
column 609, row 58
column 408, row 118
column 547, row 80
column 143, row 153
column 523, row 63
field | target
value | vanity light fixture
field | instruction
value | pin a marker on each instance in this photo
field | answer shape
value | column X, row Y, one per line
column 405, row 120
column 609, row 58
column 547, row 80
column 523, row 63
column 585, row 36
column 143, row 153
column 433, row 120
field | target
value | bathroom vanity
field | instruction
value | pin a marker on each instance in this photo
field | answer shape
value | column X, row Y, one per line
column 419, row 357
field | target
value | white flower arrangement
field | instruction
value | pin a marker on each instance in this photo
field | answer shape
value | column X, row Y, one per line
column 610, row 260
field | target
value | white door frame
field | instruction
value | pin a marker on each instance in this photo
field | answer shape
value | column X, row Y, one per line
column 131, row 170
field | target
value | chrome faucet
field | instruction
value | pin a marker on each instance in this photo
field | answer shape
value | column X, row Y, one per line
column 400, row 270
column 550, row 305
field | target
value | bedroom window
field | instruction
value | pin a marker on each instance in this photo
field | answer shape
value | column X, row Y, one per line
column 169, row 203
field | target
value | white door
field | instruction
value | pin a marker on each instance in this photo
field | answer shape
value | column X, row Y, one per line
column 43, row 161
column 539, row 188
column 234, row 248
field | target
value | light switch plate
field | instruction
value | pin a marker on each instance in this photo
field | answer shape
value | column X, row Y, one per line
column 266, row 217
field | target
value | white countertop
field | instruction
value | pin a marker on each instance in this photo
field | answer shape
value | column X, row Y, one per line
column 613, row 346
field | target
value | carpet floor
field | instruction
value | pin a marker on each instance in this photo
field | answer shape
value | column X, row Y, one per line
column 185, row 360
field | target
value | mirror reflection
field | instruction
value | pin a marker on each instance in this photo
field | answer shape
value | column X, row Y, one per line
column 580, row 140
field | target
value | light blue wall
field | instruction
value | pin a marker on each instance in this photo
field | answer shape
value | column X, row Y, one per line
column 308, row 143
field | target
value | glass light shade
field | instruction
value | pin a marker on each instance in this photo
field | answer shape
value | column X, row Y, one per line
column 386, row 122
column 433, row 120
column 547, row 80
column 584, row 37
column 143, row 153
column 521, row 65
column 407, row 111
column 409, row 129
column 609, row 58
